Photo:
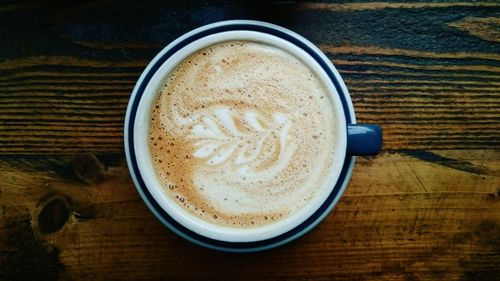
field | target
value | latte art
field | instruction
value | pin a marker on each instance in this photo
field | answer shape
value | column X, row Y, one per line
column 218, row 145
column 243, row 134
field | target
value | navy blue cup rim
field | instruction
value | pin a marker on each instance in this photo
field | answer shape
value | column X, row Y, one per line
column 138, row 91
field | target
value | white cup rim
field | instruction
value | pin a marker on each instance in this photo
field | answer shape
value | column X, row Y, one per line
column 245, row 236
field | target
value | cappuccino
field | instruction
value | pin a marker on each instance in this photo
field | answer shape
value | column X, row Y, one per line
column 243, row 135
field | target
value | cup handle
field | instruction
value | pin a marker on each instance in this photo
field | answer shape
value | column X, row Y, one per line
column 363, row 139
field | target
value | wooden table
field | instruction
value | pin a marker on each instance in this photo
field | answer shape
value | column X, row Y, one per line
column 427, row 208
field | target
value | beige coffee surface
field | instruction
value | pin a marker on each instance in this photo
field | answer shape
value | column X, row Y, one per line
column 243, row 135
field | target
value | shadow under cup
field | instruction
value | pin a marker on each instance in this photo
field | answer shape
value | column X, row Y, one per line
column 354, row 139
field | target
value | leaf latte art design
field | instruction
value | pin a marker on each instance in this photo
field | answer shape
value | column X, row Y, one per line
column 229, row 135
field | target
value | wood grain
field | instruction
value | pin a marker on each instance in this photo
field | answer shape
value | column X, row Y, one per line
column 485, row 28
column 400, row 75
column 401, row 218
column 426, row 209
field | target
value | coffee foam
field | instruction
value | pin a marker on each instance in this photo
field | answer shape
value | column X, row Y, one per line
column 243, row 134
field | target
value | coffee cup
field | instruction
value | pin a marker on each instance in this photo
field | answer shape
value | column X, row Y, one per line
column 241, row 136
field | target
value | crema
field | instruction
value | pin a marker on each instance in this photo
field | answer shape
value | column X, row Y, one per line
column 243, row 134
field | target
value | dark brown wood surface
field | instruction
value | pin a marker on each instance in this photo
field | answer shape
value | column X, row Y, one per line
column 427, row 208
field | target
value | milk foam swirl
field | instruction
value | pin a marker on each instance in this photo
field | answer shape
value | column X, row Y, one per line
column 242, row 134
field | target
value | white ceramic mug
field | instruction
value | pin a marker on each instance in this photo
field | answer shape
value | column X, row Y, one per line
column 353, row 139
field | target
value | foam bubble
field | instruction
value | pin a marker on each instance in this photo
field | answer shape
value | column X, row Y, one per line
column 237, row 130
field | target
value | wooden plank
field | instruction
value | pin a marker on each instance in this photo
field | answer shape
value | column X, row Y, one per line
column 416, row 215
column 406, row 65
column 426, row 209
column 389, row 5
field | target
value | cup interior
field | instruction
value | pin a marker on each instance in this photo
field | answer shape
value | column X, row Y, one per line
column 145, row 164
